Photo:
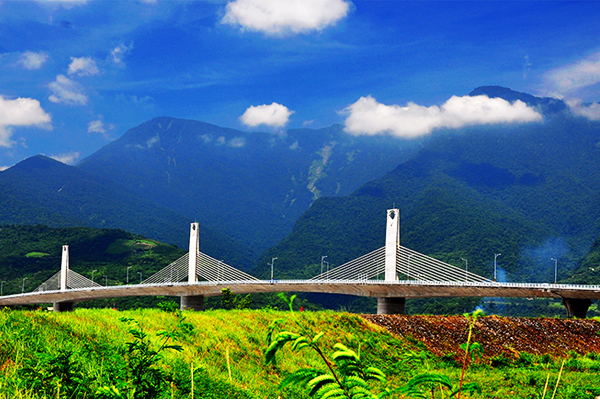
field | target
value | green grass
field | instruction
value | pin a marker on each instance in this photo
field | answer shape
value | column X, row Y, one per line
column 95, row 342
column 36, row 254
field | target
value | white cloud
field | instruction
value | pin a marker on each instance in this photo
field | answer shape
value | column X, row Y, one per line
column 20, row 112
column 32, row 60
column 284, row 16
column 237, row 142
column 96, row 127
column 4, row 167
column 368, row 117
column 118, row 53
column 583, row 73
column 83, row 66
column 272, row 115
column 64, row 90
column 67, row 158
column 590, row 111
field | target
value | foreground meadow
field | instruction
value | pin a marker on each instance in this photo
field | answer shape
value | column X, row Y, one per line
column 104, row 353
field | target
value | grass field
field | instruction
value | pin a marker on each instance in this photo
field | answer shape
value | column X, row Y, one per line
column 104, row 353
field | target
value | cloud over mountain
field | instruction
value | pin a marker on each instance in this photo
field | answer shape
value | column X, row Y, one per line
column 20, row 112
column 273, row 114
column 569, row 78
column 369, row 117
column 284, row 16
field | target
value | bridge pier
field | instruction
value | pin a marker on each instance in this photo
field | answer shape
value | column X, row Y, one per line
column 62, row 306
column 194, row 303
column 576, row 308
column 391, row 305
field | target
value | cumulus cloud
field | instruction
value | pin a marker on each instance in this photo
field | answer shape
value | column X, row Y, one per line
column 562, row 81
column 67, row 158
column 83, row 66
column 273, row 114
column 368, row 117
column 285, row 16
column 20, row 112
column 31, row 60
column 66, row 91
column 118, row 53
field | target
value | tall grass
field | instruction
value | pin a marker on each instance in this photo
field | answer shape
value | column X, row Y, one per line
column 222, row 355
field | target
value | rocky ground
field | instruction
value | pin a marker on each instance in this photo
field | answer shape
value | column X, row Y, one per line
column 498, row 335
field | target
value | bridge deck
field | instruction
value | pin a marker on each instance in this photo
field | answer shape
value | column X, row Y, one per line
column 371, row 288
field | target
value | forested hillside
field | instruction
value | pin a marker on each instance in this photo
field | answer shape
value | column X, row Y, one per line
column 29, row 255
column 529, row 192
column 250, row 185
column 40, row 190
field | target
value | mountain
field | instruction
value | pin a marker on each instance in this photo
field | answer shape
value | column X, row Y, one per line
column 40, row 190
column 530, row 192
column 250, row 185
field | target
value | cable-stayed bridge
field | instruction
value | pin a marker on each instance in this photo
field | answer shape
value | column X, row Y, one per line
column 391, row 273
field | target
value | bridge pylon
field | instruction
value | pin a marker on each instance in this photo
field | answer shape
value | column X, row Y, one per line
column 196, row 302
column 64, row 274
column 392, row 305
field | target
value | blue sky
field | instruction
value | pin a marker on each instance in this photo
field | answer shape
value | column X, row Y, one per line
column 75, row 75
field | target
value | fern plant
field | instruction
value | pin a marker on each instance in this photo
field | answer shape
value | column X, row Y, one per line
column 422, row 385
column 145, row 377
column 345, row 375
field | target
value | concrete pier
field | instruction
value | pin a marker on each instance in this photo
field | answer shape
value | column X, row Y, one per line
column 195, row 303
column 577, row 308
column 391, row 305
column 61, row 306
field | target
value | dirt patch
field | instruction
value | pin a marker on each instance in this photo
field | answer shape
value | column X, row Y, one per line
column 506, row 336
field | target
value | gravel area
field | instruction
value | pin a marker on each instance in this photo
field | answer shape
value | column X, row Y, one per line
column 498, row 335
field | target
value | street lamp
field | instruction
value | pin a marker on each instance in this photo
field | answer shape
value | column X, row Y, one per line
column 140, row 273
column 93, row 275
column 495, row 265
column 322, row 258
column 272, row 262
column 555, row 268
column 128, row 274
column 23, row 286
column 105, row 280
column 2, row 288
column 466, row 269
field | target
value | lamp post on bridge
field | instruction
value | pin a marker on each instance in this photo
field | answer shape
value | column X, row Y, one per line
column 495, row 265
column 272, row 262
column 140, row 273
column 105, row 280
column 555, row 269
column 322, row 258
column 466, row 269
column 93, row 275
column 23, row 286
column 128, row 268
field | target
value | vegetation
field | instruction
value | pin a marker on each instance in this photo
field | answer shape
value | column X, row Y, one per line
column 95, row 353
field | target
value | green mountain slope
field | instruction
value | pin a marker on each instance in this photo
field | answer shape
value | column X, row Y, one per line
column 34, row 253
column 250, row 185
column 40, row 190
column 530, row 192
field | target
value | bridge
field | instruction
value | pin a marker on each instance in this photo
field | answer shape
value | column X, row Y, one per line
column 376, row 274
